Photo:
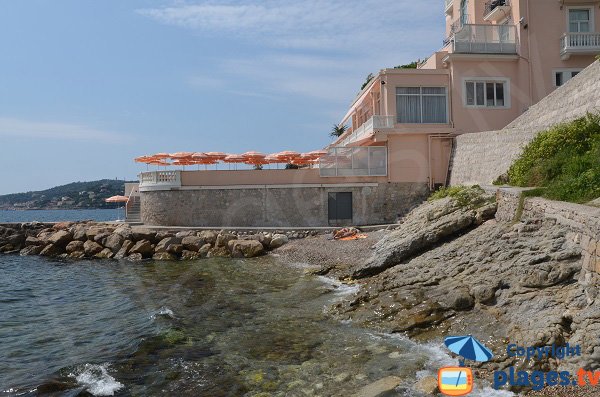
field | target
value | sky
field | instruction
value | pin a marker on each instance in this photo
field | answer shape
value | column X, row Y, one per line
column 87, row 85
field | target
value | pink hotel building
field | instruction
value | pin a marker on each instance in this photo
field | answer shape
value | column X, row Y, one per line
column 498, row 58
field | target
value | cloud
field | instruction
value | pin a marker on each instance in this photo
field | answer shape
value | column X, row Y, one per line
column 310, row 24
column 12, row 127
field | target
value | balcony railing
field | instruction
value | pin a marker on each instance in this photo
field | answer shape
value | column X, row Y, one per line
column 579, row 43
column 370, row 126
column 448, row 4
column 494, row 5
column 354, row 161
column 485, row 39
column 159, row 179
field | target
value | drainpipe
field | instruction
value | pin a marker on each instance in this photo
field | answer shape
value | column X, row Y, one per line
column 529, row 60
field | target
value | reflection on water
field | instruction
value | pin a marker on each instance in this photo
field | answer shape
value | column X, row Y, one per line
column 215, row 327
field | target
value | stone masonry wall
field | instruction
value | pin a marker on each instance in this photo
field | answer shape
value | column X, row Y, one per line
column 582, row 220
column 277, row 207
column 479, row 158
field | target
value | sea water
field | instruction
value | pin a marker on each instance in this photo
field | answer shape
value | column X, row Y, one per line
column 214, row 327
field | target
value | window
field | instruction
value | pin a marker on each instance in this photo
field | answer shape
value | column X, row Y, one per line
column 421, row 105
column 486, row 94
column 464, row 12
column 580, row 20
column 564, row 75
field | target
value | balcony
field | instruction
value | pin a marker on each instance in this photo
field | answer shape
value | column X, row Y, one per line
column 448, row 6
column 159, row 180
column 496, row 10
column 485, row 39
column 371, row 126
column 354, row 161
column 579, row 44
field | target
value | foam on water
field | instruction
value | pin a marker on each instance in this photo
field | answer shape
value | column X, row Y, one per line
column 97, row 380
column 341, row 289
column 163, row 312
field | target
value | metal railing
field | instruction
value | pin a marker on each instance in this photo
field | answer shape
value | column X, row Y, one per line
column 354, row 161
column 448, row 4
column 370, row 126
column 580, row 42
column 160, row 179
column 493, row 4
column 486, row 39
column 455, row 26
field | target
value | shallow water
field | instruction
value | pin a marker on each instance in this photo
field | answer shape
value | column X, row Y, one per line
column 215, row 327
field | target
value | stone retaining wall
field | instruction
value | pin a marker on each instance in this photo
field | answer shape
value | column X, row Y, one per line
column 480, row 158
column 277, row 206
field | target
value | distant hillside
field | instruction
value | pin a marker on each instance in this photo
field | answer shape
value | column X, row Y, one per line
column 76, row 195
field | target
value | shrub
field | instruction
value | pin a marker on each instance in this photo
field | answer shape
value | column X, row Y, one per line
column 565, row 160
column 472, row 196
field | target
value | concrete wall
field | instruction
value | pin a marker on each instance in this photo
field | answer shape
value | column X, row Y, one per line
column 482, row 157
column 277, row 206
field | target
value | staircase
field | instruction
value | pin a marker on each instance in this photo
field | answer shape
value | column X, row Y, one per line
column 133, row 211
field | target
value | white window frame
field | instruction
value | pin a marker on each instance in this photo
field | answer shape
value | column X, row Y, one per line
column 447, row 95
column 563, row 70
column 503, row 80
column 592, row 17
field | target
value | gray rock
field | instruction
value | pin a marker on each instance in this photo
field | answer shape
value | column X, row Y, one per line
column 218, row 252
column 190, row 255
column 278, row 240
column 52, row 250
column 246, row 248
column 165, row 243
column 224, row 238
column 143, row 247
column 124, row 231
column 175, row 249
column 60, row 238
column 144, row 234
column 192, row 243
column 31, row 250
column 104, row 254
column 79, row 233
column 208, row 236
column 183, row 234
column 135, row 257
column 164, row 256
column 124, row 251
column 33, row 241
column 203, row 251
column 91, row 248
column 378, row 388
column 114, row 242
column 75, row 245
column 427, row 385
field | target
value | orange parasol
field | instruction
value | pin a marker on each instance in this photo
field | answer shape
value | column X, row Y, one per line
column 287, row 155
column 158, row 162
column 217, row 155
column 234, row 158
column 143, row 159
column 181, row 155
column 161, row 156
column 117, row 199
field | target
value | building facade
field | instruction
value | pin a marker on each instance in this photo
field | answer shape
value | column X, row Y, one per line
column 499, row 57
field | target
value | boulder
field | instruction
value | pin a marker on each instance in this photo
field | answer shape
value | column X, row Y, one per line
column 124, row 251
column 104, row 254
column 91, row 248
column 143, row 247
column 60, row 238
column 183, row 234
column 165, row 242
column 125, row 232
column 62, row 225
column 427, row 385
column 164, row 256
column 175, row 249
column 144, row 234
column 31, row 250
column 114, row 242
column 163, row 234
column 79, row 233
column 190, row 255
column 218, row 252
column 278, row 240
column 135, row 257
column 77, row 255
column 246, row 248
column 33, row 241
column 52, row 250
column 7, row 248
column 93, row 231
column 224, row 238
column 203, row 251
column 74, row 246
column 208, row 236
column 192, row 243
column 100, row 237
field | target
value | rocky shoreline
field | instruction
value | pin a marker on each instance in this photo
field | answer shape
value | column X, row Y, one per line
column 94, row 240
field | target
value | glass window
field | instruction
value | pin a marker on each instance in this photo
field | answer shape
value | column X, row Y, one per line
column 563, row 76
column 417, row 105
column 579, row 20
column 485, row 94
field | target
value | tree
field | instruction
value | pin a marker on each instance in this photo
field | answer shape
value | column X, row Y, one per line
column 338, row 130
column 367, row 81
column 412, row 65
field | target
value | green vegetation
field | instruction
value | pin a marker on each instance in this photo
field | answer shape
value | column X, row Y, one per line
column 367, row 81
column 79, row 195
column 564, row 160
column 338, row 130
column 412, row 65
column 466, row 196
